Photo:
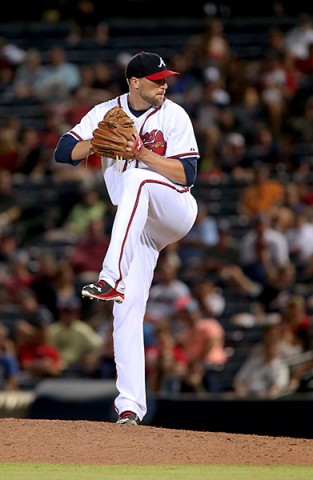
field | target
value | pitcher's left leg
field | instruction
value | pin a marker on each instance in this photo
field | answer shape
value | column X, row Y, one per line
column 128, row 331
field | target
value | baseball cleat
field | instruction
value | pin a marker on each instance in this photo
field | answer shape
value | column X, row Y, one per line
column 128, row 418
column 102, row 291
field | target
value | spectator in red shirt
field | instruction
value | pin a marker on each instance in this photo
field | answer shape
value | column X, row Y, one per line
column 165, row 361
column 19, row 276
column 87, row 255
column 296, row 322
column 37, row 358
column 305, row 65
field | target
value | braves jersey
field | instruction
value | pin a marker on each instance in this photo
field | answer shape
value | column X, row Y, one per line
column 165, row 130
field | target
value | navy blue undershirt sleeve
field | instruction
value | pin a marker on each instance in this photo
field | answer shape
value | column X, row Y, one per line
column 63, row 150
column 190, row 167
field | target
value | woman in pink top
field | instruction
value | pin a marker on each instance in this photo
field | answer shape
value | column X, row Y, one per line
column 203, row 339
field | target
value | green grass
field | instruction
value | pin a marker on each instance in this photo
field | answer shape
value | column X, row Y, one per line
column 35, row 471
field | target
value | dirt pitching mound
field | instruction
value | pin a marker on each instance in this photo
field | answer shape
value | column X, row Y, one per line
column 101, row 443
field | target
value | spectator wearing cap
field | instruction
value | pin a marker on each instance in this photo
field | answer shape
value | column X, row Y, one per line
column 71, row 336
column 37, row 357
column 32, row 314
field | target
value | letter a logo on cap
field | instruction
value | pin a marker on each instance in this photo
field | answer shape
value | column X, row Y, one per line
column 162, row 63
column 147, row 65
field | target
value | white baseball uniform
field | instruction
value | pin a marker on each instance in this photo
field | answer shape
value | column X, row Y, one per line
column 152, row 213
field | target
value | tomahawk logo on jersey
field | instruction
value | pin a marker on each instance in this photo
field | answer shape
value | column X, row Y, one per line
column 155, row 142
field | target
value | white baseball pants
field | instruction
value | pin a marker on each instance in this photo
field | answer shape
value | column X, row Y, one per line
column 152, row 213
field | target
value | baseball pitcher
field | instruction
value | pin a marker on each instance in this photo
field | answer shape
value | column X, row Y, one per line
column 150, row 155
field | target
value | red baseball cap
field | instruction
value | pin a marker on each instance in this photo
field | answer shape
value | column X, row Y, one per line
column 148, row 65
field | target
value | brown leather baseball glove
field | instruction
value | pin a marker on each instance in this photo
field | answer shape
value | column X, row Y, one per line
column 110, row 137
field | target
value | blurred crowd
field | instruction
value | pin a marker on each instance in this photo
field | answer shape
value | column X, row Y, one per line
column 231, row 305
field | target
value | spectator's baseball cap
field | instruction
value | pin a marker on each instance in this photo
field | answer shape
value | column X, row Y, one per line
column 70, row 304
column 147, row 65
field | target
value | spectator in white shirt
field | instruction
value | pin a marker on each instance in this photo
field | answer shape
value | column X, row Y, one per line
column 300, row 237
column 59, row 77
column 265, row 373
column 298, row 38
